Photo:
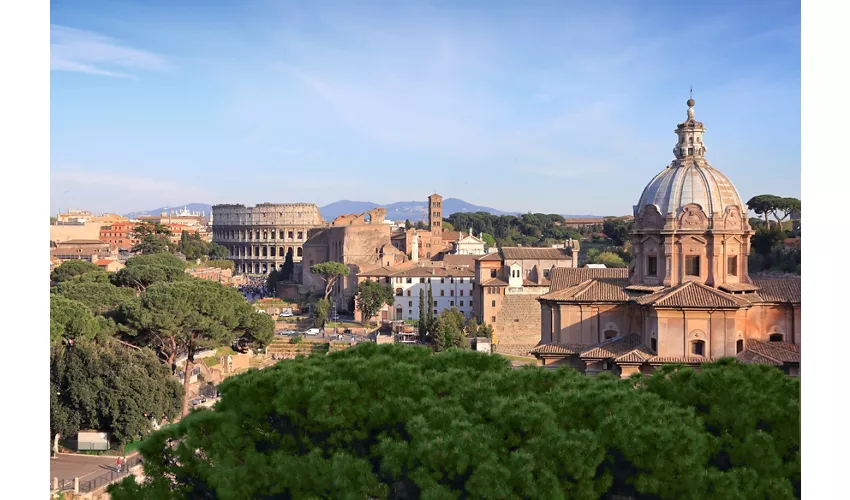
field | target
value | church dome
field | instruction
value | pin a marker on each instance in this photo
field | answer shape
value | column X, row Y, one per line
column 690, row 179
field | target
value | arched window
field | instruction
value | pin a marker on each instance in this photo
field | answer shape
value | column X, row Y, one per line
column 739, row 345
column 408, row 293
column 776, row 337
column 698, row 348
column 300, row 252
column 690, row 140
column 653, row 343
column 399, row 292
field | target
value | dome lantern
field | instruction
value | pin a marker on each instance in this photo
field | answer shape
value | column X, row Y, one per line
column 689, row 133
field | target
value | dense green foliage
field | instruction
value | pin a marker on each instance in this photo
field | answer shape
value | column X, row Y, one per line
column 320, row 312
column 221, row 264
column 397, row 422
column 610, row 259
column 330, row 272
column 508, row 230
column 371, row 297
column 71, row 269
column 475, row 329
column 153, row 238
column 772, row 253
column 188, row 316
column 111, row 387
column 448, row 331
column 194, row 248
column 618, row 230
column 143, row 271
column 101, row 298
column 72, row 320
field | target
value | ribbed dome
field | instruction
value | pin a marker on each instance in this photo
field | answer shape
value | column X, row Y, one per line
column 691, row 181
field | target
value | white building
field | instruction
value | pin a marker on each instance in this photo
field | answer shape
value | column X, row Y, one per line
column 450, row 287
column 468, row 245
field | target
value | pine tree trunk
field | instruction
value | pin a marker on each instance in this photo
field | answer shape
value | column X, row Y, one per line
column 187, row 376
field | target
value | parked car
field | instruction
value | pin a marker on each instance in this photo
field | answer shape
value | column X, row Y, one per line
column 312, row 331
column 347, row 331
column 287, row 313
column 261, row 311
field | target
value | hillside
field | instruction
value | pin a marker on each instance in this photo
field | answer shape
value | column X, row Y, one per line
column 398, row 211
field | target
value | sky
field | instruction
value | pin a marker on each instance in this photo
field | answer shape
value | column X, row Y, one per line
column 542, row 106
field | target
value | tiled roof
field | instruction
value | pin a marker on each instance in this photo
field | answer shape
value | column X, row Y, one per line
column 634, row 356
column 104, row 262
column 687, row 360
column 376, row 271
column 494, row 282
column 429, row 271
column 594, row 290
column 558, row 349
column 534, row 253
column 491, row 256
column 564, row 277
column 784, row 289
column 616, row 347
column 450, row 235
column 644, row 288
column 528, row 282
column 738, row 287
column 692, row 294
column 782, row 352
column 460, row 260
column 751, row 357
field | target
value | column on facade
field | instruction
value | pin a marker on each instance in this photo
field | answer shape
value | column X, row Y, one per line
column 668, row 261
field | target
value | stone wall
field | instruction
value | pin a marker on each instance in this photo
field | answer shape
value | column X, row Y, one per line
column 518, row 321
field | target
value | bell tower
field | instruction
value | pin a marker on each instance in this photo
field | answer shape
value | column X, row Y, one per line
column 435, row 215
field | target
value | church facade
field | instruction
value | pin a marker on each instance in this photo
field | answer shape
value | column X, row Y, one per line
column 687, row 296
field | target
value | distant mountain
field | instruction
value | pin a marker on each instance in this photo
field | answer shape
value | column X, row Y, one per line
column 399, row 211
column 413, row 210
column 192, row 207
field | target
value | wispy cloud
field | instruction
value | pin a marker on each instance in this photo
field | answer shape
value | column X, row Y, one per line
column 86, row 52
column 67, row 179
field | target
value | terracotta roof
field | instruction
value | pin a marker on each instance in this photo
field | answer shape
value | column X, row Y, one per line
column 494, row 282
column 738, row 287
column 491, row 256
column 104, row 262
column 376, row 271
column 781, row 352
column 534, row 253
column 528, row 282
column 692, row 294
column 616, row 347
column 432, row 271
column 450, row 235
column 751, row 357
column 784, row 289
column 687, row 360
column 558, row 349
column 634, row 356
column 563, row 277
column 644, row 288
column 460, row 260
column 594, row 290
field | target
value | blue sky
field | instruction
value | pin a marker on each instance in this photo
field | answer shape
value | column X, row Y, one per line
column 544, row 106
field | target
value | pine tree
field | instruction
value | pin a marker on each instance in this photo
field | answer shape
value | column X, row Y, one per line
column 422, row 318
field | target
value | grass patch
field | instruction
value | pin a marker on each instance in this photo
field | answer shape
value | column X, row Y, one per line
column 210, row 361
column 521, row 359
column 224, row 351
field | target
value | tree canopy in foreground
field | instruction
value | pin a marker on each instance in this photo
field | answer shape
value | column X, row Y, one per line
column 399, row 422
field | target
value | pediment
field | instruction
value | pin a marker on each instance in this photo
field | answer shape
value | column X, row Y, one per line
column 692, row 216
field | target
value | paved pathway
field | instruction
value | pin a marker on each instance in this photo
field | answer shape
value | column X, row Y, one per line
column 83, row 466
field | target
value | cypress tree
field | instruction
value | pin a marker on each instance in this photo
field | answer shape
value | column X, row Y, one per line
column 422, row 318
column 430, row 312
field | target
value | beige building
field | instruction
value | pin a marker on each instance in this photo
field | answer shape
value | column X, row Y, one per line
column 360, row 241
column 687, row 296
column 507, row 284
column 260, row 237
column 65, row 231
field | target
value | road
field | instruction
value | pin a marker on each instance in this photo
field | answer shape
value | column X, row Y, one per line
column 83, row 466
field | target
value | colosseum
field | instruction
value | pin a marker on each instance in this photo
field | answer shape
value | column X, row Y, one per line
column 259, row 237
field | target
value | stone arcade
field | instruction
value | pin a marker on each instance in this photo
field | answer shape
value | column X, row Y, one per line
column 687, row 296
